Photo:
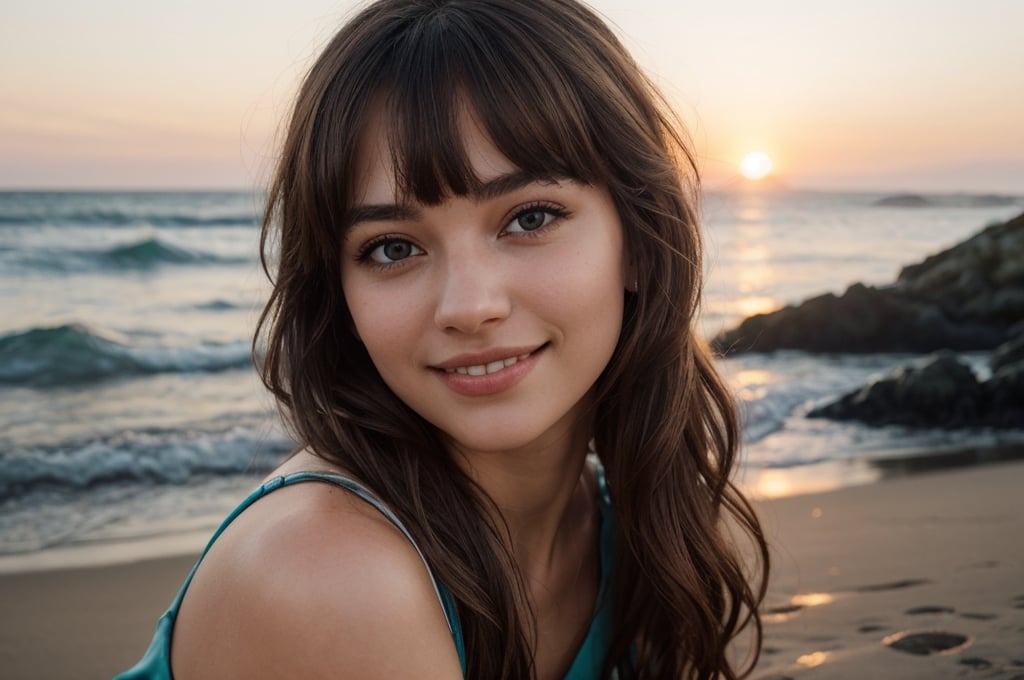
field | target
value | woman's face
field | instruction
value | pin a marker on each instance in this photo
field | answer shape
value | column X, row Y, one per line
column 491, row 315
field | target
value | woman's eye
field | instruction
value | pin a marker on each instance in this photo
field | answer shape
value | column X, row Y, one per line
column 391, row 250
column 533, row 219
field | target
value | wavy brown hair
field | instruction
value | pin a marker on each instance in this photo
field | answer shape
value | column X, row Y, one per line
column 558, row 95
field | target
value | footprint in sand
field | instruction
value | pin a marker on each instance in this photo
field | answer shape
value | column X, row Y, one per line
column 870, row 628
column 893, row 585
column 988, row 564
column 929, row 609
column 781, row 614
column 977, row 616
column 927, row 642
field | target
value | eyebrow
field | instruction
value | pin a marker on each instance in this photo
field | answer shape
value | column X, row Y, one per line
column 492, row 188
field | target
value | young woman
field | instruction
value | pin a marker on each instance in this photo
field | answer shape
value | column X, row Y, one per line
column 487, row 271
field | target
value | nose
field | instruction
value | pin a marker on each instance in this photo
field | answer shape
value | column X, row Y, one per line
column 473, row 295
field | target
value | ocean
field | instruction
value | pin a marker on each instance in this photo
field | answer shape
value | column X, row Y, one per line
column 131, row 419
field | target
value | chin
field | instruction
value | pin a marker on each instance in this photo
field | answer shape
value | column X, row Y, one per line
column 509, row 435
column 490, row 443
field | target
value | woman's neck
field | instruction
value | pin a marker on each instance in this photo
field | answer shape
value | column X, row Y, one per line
column 541, row 493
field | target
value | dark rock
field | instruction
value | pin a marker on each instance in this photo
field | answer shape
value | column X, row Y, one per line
column 980, row 278
column 969, row 297
column 1010, row 352
column 942, row 392
column 903, row 201
column 1004, row 396
column 864, row 319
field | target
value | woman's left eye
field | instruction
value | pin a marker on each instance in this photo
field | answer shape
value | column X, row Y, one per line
column 534, row 218
column 388, row 250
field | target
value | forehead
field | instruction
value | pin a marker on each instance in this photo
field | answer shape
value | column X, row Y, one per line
column 378, row 162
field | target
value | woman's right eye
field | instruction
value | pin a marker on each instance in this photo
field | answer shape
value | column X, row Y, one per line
column 389, row 251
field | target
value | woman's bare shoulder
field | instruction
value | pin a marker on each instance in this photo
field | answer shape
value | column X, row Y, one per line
column 312, row 581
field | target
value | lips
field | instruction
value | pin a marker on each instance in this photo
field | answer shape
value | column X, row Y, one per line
column 490, row 372
column 488, row 368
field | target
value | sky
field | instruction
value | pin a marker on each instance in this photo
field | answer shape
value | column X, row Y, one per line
column 875, row 95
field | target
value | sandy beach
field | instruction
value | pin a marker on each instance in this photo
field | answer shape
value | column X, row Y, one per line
column 913, row 577
column 932, row 564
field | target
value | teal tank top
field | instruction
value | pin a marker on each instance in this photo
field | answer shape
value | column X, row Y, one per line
column 156, row 663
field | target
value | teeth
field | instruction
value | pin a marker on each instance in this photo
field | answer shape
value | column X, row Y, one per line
column 484, row 369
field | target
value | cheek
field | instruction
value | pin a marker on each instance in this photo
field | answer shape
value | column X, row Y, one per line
column 587, row 294
column 383, row 320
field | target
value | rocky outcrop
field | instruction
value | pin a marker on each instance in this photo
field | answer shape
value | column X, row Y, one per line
column 943, row 392
column 903, row 201
column 1010, row 352
column 947, row 201
column 968, row 297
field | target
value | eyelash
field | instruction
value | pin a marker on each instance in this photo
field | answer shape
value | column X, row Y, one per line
column 363, row 256
column 557, row 212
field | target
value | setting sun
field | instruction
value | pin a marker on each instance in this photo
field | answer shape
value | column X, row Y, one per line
column 755, row 165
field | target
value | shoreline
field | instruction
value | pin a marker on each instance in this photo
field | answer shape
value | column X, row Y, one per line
column 760, row 484
column 772, row 483
column 850, row 568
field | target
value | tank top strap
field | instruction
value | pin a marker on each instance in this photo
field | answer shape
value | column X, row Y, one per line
column 357, row 488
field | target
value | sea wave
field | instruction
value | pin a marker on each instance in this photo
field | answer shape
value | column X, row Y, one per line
column 125, row 218
column 117, row 218
column 774, row 389
column 77, row 353
column 140, row 255
column 154, row 251
column 156, row 456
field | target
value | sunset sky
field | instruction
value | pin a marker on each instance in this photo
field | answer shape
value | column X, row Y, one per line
column 890, row 95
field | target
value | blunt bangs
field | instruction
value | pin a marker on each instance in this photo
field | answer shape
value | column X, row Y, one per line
column 526, row 79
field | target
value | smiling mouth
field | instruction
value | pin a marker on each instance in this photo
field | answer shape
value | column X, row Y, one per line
column 491, row 367
column 489, row 363
column 493, row 374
